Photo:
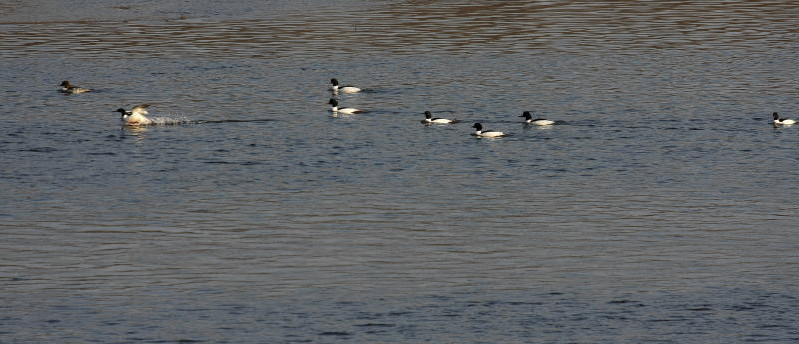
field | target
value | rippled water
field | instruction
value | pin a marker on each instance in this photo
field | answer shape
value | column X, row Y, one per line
column 314, row 29
column 662, row 211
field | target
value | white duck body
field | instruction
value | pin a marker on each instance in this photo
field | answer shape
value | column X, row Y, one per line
column 345, row 110
column 479, row 132
column 137, row 119
column 528, row 119
column 782, row 121
column 428, row 119
column 343, row 89
column 136, row 116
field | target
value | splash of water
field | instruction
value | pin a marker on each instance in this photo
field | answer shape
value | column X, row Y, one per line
column 170, row 120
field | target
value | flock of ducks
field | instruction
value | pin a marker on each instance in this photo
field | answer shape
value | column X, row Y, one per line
column 479, row 131
column 137, row 115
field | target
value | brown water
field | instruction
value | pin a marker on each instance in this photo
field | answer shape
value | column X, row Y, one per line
column 662, row 210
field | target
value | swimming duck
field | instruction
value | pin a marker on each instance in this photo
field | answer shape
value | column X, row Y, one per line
column 479, row 132
column 347, row 110
column 428, row 119
column 67, row 87
column 343, row 89
column 136, row 115
column 528, row 119
column 786, row 121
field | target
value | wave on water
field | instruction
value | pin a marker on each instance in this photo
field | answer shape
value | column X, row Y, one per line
column 173, row 120
column 177, row 120
column 234, row 121
column 170, row 120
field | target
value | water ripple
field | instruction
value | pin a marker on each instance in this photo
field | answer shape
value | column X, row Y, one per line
column 410, row 27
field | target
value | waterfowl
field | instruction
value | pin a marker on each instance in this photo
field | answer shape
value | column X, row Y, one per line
column 479, row 132
column 428, row 119
column 343, row 89
column 347, row 110
column 136, row 115
column 528, row 119
column 778, row 120
column 67, row 87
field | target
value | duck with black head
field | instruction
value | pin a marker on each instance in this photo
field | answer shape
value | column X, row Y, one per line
column 429, row 119
column 479, row 132
column 343, row 110
column 136, row 115
column 336, row 88
column 528, row 119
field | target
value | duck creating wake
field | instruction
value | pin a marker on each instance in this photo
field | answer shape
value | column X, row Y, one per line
column 170, row 120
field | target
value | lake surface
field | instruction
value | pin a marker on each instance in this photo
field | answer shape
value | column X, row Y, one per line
column 661, row 210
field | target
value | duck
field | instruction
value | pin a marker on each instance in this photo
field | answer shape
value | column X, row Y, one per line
column 778, row 120
column 347, row 110
column 528, row 119
column 428, row 119
column 479, row 132
column 343, row 89
column 136, row 115
column 69, row 88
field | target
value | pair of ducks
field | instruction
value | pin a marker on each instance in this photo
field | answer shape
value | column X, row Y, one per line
column 336, row 88
column 136, row 115
column 528, row 119
column 478, row 127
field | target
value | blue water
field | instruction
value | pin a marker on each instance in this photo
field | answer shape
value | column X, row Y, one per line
column 662, row 210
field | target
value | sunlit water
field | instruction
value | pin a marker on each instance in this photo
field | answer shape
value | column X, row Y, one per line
column 663, row 211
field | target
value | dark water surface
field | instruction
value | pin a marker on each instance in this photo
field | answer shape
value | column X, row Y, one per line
column 664, row 210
